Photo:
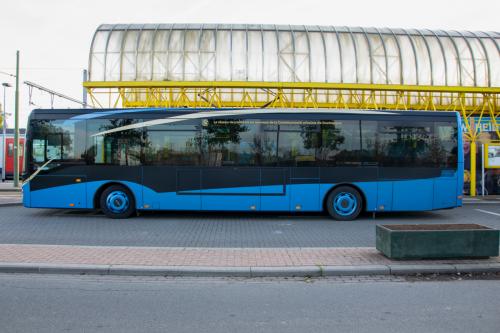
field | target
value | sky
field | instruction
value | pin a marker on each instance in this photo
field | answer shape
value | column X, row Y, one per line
column 54, row 36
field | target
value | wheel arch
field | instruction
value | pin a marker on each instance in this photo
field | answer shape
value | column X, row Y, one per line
column 97, row 195
column 357, row 188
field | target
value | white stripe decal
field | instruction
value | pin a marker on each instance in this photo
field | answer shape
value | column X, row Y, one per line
column 37, row 172
column 211, row 114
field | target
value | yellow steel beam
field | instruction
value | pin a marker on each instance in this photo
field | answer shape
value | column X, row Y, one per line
column 309, row 98
column 287, row 85
column 473, row 168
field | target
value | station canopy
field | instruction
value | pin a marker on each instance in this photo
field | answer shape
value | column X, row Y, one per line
column 269, row 53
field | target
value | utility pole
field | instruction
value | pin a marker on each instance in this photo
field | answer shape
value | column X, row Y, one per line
column 16, row 126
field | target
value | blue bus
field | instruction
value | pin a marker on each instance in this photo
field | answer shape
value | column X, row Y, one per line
column 292, row 160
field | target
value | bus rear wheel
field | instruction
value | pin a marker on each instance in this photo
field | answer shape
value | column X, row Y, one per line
column 344, row 203
column 117, row 202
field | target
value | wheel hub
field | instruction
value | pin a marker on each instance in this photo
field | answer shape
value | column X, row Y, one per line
column 117, row 202
column 345, row 203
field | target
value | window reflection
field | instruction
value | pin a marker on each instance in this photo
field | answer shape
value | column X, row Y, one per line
column 404, row 145
column 298, row 145
column 228, row 142
column 175, row 144
column 445, row 149
column 341, row 143
column 118, row 148
column 55, row 139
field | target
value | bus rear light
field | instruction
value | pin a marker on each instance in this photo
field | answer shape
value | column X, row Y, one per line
column 72, row 205
column 78, row 180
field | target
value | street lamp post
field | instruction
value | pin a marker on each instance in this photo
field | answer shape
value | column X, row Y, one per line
column 16, row 126
column 4, row 128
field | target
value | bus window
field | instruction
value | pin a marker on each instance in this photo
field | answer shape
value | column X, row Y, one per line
column 231, row 142
column 10, row 149
column 55, row 139
column 369, row 142
column 54, row 146
column 298, row 145
column 340, row 142
column 38, row 150
column 172, row 144
column 446, row 145
column 117, row 148
column 405, row 145
column 268, row 145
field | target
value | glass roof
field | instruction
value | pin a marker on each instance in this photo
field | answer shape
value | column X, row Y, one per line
column 269, row 53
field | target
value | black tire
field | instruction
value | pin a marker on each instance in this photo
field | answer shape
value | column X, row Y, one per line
column 113, row 197
column 344, row 203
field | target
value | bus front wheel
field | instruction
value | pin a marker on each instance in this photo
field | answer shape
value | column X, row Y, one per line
column 117, row 202
column 344, row 203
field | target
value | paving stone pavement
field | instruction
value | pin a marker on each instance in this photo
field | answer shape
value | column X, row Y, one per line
column 20, row 225
column 207, row 257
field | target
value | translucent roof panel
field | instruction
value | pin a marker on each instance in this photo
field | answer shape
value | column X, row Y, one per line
column 269, row 53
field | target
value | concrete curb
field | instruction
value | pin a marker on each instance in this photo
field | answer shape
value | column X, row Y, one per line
column 249, row 272
column 11, row 204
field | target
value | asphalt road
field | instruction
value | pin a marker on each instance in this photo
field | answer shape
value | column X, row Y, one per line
column 32, row 303
column 48, row 226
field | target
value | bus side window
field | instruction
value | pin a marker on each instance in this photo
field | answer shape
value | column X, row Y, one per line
column 118, row 148
column 53, row 139
column 405, row 144
column 445, row 147
column 341, row 143
column 54, row 146
column 298, row 145
column 172, row 145
column 231, row 142
column 369, row 142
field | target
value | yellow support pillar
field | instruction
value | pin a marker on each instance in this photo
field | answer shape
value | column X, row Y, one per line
column 473, row 167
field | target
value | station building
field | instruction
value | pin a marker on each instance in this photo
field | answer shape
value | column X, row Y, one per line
column 270, row 66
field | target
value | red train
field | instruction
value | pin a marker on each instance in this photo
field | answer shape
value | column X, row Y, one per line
column 8, row 153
